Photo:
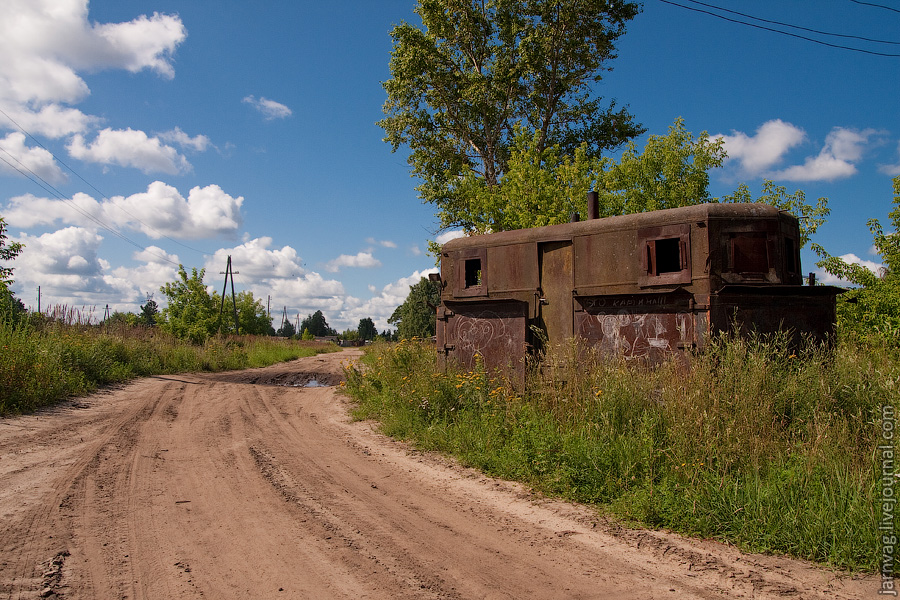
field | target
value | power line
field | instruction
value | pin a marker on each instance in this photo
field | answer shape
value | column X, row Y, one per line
column 896, row 10
column 801, row 28
column 787, row 33
column 46, row 186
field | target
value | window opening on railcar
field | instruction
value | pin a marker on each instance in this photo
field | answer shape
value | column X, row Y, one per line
column 749, row 253
column 473, row 272
column 666, row 256
column 790, row 254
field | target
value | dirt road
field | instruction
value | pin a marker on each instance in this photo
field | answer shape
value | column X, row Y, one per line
column 251, row 485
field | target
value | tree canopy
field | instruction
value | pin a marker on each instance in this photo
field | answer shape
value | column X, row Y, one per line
column 366, row 329
column 316, row 325
column 149, row 312
column 873, row 307
column 253, row 319
column 416, row 317
column 286, row 330
column 9, row 304
column 192, row 313
column 8, row 251
column 195, row 314
column 477, row 69
column 545, row 186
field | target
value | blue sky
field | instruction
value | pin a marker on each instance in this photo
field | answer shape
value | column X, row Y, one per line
column 186, row 131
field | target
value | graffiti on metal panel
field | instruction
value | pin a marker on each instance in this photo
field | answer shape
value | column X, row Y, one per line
column 475, row 333
column 635, row 335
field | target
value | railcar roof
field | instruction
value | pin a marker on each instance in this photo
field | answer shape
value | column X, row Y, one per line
column 669, row 216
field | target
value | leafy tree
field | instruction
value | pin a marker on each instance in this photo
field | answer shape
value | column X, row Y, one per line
column 350, row 335
column 316, row 325
column 810, row 217
column 545, row 186
column 8, row 251
column 416, row 317
column 253, row 319
column 287, row 329
column 307, row 335
column 477, row 68
column 10, row 306
column 149, row 312
column 123, row 319
column 874, row 306
column 387, row 336
column 366, row 329
column 192, row 313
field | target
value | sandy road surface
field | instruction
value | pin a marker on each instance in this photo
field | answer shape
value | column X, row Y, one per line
column 247, row 485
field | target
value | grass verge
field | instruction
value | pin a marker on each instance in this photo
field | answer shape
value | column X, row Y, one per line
column 753, row 445
column 43, row 363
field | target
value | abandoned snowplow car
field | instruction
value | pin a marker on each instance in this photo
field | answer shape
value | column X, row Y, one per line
column 643, row 285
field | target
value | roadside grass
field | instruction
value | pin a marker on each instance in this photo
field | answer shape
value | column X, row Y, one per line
column 43, row 361
column 754, row 445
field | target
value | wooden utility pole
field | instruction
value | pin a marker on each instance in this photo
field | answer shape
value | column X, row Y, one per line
column 229, row 273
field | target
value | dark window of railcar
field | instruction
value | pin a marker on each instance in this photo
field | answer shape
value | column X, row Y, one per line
column 750, row 253
column 473, row 272
column 666, row 256
column 791, row 259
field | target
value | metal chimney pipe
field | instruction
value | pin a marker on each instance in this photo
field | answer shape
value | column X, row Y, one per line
column 593, row 205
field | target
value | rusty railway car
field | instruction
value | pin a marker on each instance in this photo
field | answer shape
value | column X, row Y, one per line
column 643, row 285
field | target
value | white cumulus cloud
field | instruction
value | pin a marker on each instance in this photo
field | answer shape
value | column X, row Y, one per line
column 829, row 279
column 134, row 283
column 207, row 212
column 129, row 148
column 45, row 43
column 198, row 143
column 382, row 243
column 268, row 108
column 842, row 150
column 257, row 262
column 66, row 266
column 763, row 150
column 449, row 235
column 362, row 260
column 380, row 307
column 29, row 211
column 19, row 158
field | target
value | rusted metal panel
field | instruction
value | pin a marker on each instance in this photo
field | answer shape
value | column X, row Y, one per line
column 556, row 291
column 513, row 268
column 494, row 331
column 646, row 326
column 798, row 310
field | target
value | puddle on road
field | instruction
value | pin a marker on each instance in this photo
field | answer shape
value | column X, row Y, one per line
column 292, row 379
column 312, row 383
